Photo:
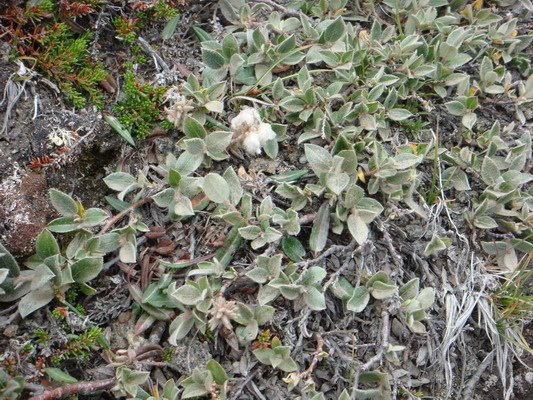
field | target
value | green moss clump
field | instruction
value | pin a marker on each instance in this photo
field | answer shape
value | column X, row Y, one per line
column 139, row 110
column 65, row 58
column 59, row 53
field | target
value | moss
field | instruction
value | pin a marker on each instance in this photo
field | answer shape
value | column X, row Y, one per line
column 139, row 110
column 59, row 53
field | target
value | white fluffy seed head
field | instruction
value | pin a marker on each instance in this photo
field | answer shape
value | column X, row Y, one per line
column 248, row 117
column 252, row 144
column 265, row 133
column 250, row 132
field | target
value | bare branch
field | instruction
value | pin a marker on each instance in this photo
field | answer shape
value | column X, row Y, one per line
column 75, row 389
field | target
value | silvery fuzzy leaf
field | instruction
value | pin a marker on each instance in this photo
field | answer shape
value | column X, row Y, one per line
column 410, row 289
column 42, row 275
column 359, row 300
column 320, row 230
column 267, row 294
column 358, row 228
column 63, row 203
column 250, row 232
column 337, row 181
column 187, row 294
column 86, row 269
column 128, row 253
column 381, row 290
column 319, row 158
column 334, row 31
column 314, row 299
column 259, row 275
column 216, row 188
column 46, row 245
column 35, row 300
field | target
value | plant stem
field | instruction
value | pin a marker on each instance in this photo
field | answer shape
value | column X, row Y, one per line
column 76, row 388
column 109, row 224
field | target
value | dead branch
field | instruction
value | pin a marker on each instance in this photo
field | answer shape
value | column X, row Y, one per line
column 112, row 221
column 75, row 389
column 471, row 384
column 284, row 10
column 150, row 50
column 335, row 249
column 317, row 356
column 385, row 330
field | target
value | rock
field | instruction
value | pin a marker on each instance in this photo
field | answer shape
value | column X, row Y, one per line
column 24, row 211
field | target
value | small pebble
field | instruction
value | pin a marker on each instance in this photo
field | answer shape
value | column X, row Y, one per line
column 11, row 330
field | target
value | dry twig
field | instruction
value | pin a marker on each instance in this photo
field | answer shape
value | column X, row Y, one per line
column 75, row 389
column 112, row 221
column 385, row 331
column 283, row 9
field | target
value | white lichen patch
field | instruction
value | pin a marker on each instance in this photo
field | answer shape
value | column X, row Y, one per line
column 63, row 137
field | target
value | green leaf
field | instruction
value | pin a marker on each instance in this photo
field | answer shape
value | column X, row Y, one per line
column 359, row 300
column 263, row 314
column 57, row 375
column 235, row 187
column 214, row 106
column 216, row 188
column 406, row 160
column 7, row 261
column 337, row 181
column 218, row 373
column 287, row 45
column 174, row 178
column 426, row 298
column 119, row 128
column 42, row 275
column 314, row 298
column 193, row 129
column 63, row 203
column 381, row 290
column 314, row 276
column 469, row 120
column 35, row 300
column 485, row 222
column 63, row 225
column 250, row 232
column 188, row 295
column 119, row 181
column 180, row 327
column 410, row 289
column 289, row 176
column 213, row 59
column 489, row 171
column 456, row 108
column 319, row 158
column 94, row 216
column 232, row 243
column 293, row 248
column 267, row 294
column 271, row 148
column 170, row 27
column 358, row 228
column 399, row 114
column 183, row 206
column 334, row 31
column 202, row 35
column 320, row 230
column 46, row 245
column 87, row 269
column 128, row 253
column 435, row 245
